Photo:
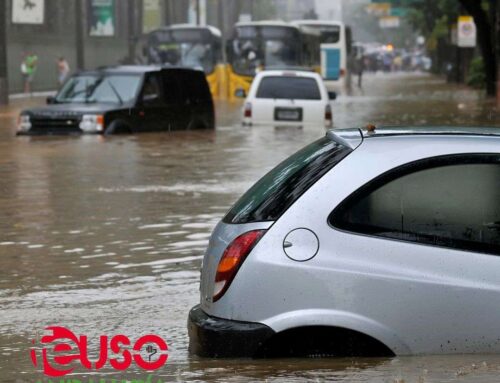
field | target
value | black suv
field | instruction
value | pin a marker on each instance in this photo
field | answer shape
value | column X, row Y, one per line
column 125, row 99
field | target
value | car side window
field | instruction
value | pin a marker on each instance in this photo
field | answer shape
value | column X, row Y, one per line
column 453, row 203
column 151, row 93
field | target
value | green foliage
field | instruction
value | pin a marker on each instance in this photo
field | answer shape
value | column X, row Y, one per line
column 433, row 17
column 264, row 10
column 476, row 77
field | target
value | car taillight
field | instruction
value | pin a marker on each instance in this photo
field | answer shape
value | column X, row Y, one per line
column 328, row 116
column 232, row 259
column 248, row 110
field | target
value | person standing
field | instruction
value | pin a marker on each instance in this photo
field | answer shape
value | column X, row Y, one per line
column 28, row 70
column 62, row 70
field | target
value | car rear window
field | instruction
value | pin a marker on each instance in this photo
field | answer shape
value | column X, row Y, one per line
column 273, row 194
column 289, row 87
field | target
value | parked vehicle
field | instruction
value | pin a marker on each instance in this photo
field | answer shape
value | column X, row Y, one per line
column 189, row 46
column 287, row 97
column 363, row 243
column 259, row 45
column 336, row 45
column 124, row 99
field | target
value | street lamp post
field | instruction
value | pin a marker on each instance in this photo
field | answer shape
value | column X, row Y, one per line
column 80, row 27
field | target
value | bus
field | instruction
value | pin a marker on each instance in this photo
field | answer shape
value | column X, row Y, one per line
column 336, row 43
column 191, row 46
column 259, row 45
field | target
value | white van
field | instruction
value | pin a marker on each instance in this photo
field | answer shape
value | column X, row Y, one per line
column 287, row 98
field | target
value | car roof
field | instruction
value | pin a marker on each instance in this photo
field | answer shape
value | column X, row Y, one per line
column 288, row 72
column 353, row 137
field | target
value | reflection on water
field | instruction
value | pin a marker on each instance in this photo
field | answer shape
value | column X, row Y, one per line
column 105, row 235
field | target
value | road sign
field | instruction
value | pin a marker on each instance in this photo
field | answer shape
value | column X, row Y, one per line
column 379, row 9
column 466, row 32
column 28, row 11
column 389, row 22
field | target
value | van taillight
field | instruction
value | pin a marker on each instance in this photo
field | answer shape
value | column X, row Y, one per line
column 232, row 259
column 342, row 72
column 328, row 115
column 248, row 110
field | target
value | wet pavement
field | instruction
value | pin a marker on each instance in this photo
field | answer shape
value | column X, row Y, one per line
column 106, row 235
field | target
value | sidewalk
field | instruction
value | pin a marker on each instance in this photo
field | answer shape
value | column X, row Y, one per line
column 17, row 96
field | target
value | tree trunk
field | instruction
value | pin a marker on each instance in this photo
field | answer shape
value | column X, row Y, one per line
column 485, row 40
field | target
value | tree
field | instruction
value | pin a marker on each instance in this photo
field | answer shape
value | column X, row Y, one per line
column 485, row 18
column 433, row 18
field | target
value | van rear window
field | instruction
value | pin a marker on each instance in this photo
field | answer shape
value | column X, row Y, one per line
column 273, row 194
column 289, row 87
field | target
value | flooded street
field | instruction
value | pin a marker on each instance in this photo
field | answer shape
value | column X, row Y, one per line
column 106, row 235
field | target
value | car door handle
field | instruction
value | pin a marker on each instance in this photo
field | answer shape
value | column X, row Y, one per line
column 287, row 244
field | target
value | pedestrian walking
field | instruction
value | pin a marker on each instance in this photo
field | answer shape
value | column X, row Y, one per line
column 63, row 70
column 359, row 68
column 28, row 70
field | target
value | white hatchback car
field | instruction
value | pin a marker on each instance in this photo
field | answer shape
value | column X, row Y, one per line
column 287, row 97
column 363, row 243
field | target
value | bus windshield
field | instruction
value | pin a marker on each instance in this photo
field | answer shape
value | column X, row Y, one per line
column 254, row 47
column 330, row 34
column 192, row 48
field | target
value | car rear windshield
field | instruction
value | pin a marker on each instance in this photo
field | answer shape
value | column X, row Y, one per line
column 289, row 87
column 273, row 194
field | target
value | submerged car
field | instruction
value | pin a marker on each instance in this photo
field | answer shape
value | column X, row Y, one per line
column 287, row 98
column 373, row 242
column 124, row 99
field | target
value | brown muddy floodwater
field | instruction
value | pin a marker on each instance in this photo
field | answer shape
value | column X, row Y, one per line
column 106, row 235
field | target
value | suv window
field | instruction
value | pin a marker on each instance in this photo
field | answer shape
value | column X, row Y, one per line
column 171, row 88
column 270, row 197
column 289, row 87
column 151, row 94
column 450, row 202
column 195, row 86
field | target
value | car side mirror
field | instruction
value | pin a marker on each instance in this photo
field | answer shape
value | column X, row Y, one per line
column 240, row 93
column 51, row 100
column 332, row 95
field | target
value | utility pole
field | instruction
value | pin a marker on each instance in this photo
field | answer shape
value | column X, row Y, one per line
column 134, row 13
column 198, row 16
column 4, row 91
column 80, row 28
column 221, row 20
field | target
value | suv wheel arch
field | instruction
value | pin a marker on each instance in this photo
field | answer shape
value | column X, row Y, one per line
column 118, row 127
